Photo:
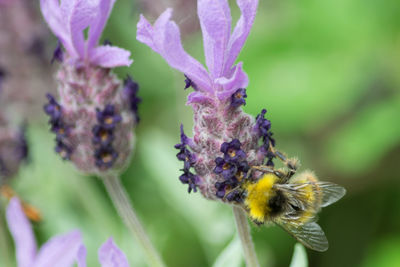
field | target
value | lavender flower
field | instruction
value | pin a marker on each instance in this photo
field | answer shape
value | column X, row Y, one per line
column 60, row 251
column 226, row 140
column 95, row 114
column 13, row 149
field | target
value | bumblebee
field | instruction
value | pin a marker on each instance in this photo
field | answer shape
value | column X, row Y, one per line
column 290, row 201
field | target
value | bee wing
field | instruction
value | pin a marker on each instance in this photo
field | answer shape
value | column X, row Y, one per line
column 309, row 234
column 330, row 193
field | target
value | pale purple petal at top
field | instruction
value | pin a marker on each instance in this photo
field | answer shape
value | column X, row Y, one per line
column 60, row 251
column 83, row 13
column 215, row 20
column 55, row 18
column 81, row 256
column 22, row 233
column 239, row 79
column 198, row 97
column 97, row 26
column 145, row 33
column 111, row 256
column 110, row 56
column 164, row 38
column 248, row 9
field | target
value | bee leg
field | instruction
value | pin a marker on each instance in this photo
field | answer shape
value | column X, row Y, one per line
column 265, row 169
column 290, row 163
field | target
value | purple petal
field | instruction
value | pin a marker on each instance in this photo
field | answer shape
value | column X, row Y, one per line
column 60, row 251
column 248, row 9
column 83, row 13
column 215, row 20
column 97, row 26
column 110, row 56
column 164, row 38
column 145, row 33
column 55, row 18
column 81, row 256
column 111, row 256
column 22, row 233
column 198, row 97
column 229, row 86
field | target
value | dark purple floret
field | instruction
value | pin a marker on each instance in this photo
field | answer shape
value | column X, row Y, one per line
column 105, row 157
column 107, row 42
column 108, row 117
column 58, row 54
column 221, row 189
column 184, row 138
column 59, row 128
column 189, row 83
column 53, row 109
column 238, row 98
column 234, row 195
column 62, row 149
column 263, row 124
column 264, row 129
column 190, row 179
column 131, row 89
column 232, row 151
column 243, row 167
column 184, row 154
column 189, row 159
column 102, row 135
column 233, row 167
column 226, row 169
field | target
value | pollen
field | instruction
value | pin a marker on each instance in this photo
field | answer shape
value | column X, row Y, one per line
column 103, row 136
column 258, row 195
column 231, row 153
column 106, row 157
column 109, row 120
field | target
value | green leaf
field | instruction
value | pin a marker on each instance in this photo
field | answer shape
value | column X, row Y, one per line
column 231, row 256
column 299, row 256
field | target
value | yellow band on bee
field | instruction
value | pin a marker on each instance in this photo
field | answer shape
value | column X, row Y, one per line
column 258, row 195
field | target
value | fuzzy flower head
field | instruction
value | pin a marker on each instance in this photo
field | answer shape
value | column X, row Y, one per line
column 13, row 149
column 226, row 140
column 69, row 19
column 221, row 47
column 61, row 250
column 93, row 118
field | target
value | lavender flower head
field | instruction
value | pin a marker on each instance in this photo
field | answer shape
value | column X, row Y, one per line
column 226, row 140
column 13, row 149
column 94, row 117
column 61, row 250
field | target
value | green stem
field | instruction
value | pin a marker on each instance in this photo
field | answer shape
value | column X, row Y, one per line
column 243, row 229
column 125, row 210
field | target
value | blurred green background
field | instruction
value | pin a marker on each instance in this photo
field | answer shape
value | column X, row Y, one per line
column 328, row 72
